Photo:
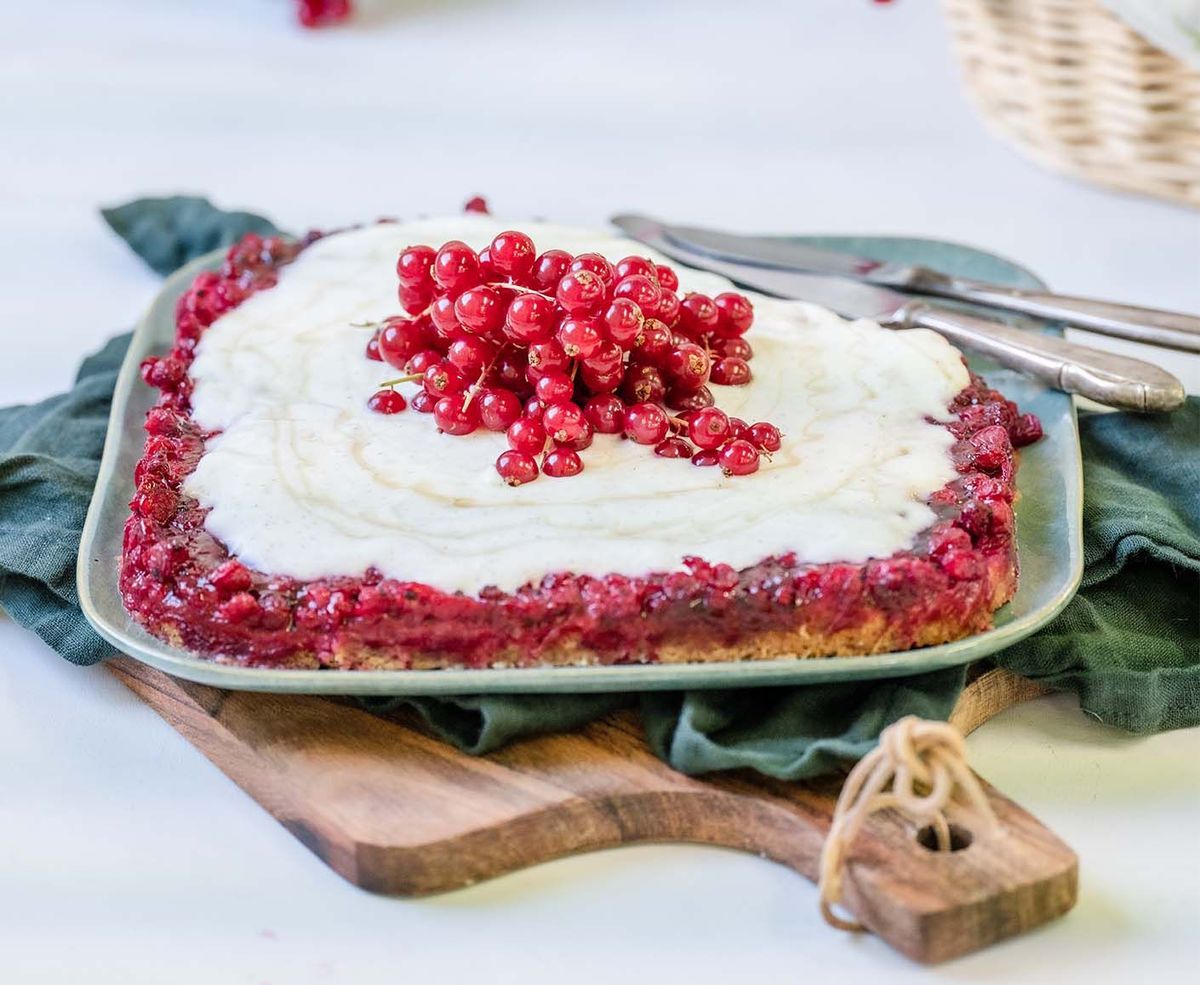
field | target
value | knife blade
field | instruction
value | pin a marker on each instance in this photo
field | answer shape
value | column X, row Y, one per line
column 785, row 255
column 1174, row 330
column 1107, row 378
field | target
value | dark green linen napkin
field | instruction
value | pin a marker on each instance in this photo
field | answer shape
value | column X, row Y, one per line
column 1128, row 644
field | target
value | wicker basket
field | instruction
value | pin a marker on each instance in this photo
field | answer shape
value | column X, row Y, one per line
column 1082, row 93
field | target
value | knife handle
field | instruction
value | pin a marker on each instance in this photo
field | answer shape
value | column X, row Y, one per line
column 1105, row 377
column 1170, row 329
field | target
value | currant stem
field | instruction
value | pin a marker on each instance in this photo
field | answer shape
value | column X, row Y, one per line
column 483, row 374
column 410, row 378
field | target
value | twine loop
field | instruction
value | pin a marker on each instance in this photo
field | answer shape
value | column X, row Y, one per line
column 926, row 765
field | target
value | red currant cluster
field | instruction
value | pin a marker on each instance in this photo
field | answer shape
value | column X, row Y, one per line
column 553, row 348
column 321, row 13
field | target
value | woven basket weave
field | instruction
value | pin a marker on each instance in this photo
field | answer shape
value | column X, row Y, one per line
column 1080, row 92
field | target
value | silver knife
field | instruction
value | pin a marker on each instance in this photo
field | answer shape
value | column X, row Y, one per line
column 1108, row 378
column 1174, row 330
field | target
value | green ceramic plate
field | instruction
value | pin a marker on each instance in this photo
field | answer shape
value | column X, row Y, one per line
column 1048, row 535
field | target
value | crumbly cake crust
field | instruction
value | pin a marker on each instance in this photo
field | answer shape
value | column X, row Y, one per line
column 181, row 584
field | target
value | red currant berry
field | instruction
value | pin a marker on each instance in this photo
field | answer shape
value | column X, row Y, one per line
column 516, row 467
column 684, row 400
column 373, row 348
column 646, row 424
column 471, row 355
column 386, row 401
column 532, row 409
column 679, row 421
column 441, row 313
column 442, row 380
column 705, row 457
column 549, row 268
column 623, row 322
column 322, row 13
column 245, row 253
column 160, row 420
column 564, row 422
column 164, row 373
column 601, row 381
column 210, row 297
column 668, row 280
column 1025, row 431
column 477, row 204
column 498, row 409
column 509, row 369
column 668, row 309
column 607, row 357
column 422, row 360
column 415, row 266
column 687, row 366
column 605, row 413
column 643, row 383
column 737, row 348
column 454, row 417
column 530, row 319
column 673, row 448
column 731, row 371
column 765, row 436
column 423, row 402
column 547, row 357
column 653, row 342
column 597, row 264
column 629, row 266
column 739, row 428
column 487, row 273
column 400, row 339
column 581, row 441
column 580, row 291
column 697, row 315
column 992, row 448
column 579, row 337
column 708, row 428
column 561, row 463
column 553, row 388
column 527, row 435
column 642, row 291
column 512, row 254
column 276, row 248
column 456, row 267
column 735, row 315
column 415, row 300
column 738, row 457
column 480, row 310
column 231, row 577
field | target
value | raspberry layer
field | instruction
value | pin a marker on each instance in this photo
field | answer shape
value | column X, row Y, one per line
column 180, row 582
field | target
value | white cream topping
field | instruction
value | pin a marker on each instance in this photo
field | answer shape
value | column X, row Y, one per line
column 305, row 481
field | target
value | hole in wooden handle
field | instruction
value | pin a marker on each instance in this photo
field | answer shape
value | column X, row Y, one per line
column 960, row 838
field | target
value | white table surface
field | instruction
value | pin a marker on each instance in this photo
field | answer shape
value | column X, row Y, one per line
column 124, row 855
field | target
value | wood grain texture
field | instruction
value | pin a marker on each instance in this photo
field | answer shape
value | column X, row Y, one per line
column 394, row 810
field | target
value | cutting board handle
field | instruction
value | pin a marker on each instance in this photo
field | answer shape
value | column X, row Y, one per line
column 978, row 861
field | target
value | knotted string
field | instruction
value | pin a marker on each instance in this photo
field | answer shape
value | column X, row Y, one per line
column 925, row 763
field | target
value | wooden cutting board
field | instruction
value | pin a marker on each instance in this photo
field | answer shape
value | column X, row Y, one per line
column 394, row 810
